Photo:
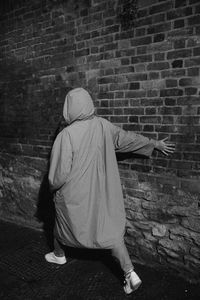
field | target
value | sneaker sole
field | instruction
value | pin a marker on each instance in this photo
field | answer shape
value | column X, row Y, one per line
column 55, row 262
column 134, row 288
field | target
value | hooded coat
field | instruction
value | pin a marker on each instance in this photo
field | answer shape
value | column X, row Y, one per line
column 84, row 174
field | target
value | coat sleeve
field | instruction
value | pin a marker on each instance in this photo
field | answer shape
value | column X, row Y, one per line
column 60, row 160
column 128, row 141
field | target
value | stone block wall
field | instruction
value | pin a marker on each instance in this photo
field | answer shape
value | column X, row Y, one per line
column 142, row 69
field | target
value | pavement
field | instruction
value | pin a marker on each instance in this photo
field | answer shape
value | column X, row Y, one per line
column 88, row 274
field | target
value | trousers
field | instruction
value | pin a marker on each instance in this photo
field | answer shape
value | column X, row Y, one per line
column 120, row 252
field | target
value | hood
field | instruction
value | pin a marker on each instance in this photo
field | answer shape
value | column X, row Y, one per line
column 78, row 105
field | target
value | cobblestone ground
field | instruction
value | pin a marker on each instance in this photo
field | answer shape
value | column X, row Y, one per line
column 88, row 275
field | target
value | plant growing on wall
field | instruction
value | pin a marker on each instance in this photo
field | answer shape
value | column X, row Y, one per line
column 128, row 13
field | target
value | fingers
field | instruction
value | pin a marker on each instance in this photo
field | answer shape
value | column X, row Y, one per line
column 165, row 153
column 169, row 145
column 170, row 148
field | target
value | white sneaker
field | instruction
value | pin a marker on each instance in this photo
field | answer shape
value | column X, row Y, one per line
column 132, row 282
column 52, row 258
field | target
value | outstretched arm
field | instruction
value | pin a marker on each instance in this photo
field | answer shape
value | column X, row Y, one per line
column 129, row 141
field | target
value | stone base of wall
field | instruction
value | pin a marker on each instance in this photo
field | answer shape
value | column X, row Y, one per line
column 24, row 193
column 163, row 226
column 163, row 229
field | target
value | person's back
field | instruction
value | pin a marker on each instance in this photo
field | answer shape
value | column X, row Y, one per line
column 84, row 175
column 90, row 198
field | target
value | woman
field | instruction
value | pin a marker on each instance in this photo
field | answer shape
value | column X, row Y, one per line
column 84, row 175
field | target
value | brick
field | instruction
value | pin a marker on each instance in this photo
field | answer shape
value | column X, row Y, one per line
column 158, row 66
column 135, row 94
column 84, row 12
column 150, row 111
column 192, row 62
column 134, row 102
column 110, row 29
column 171, row 83
column 179, row 3
column 104, row 111
column 189, row 120
column 179, row 54
column 119, row 119
column 194, row 20
column 119, row 94
column 193, row 1
column 143, row 22
column 179, row 23
column 177, row 63
column 152, row 93
column 141, row 41
column 167, row 120
column 154, row 75
column 159, row 37
column 125, row 61
column 152, row 102
column 134, row 111
column 108, row 95
column 140, row 31
column 191, row 156
column 196, row 51
column 105, row 103
column 136, row 77
column 186, row 81
column 159, row 28
column 141, row 50
column 189, row 101
column 108, row 47
column 178, row 44
column 105, row 80
column 159, row 56
column 124, row 69
column 197, row 9
column 176, row 110
column 173, row 73
column 193, row 71
column 108, row 72
column 158, row 18
column 83, row 37
column 150, row 119
column 134, row 86
column 133, row 119
column 125, row 52
column 191, row 91
column 124, row 35
column 119, row 103
column 118, row 86
column 142, row 12
column 148, row 128
column 160, row 7
column 170, row 102
column 171, row 92
column 141, row 58
column 165, row 128
column 178, row 13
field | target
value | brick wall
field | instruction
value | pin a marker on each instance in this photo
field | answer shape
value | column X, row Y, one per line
column 143, row 77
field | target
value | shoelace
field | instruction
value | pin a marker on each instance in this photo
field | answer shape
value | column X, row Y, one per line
column 127, row 276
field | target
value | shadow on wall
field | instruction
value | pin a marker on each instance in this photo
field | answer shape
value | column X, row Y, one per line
column 46, row 210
